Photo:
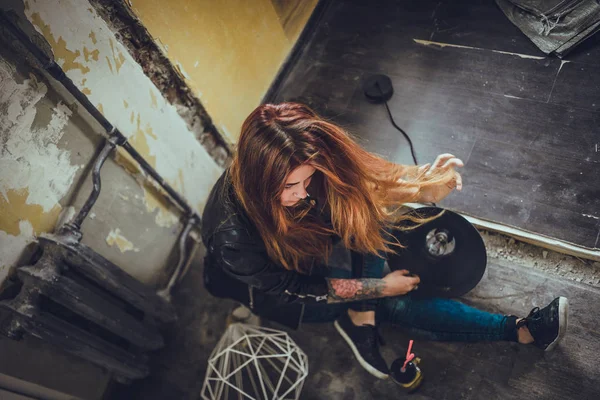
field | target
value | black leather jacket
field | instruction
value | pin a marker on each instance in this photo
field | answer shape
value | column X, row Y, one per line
column 237, row 265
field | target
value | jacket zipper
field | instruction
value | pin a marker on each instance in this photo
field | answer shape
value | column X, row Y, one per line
column 301, row 316
column 303, row 296
column 251, row 297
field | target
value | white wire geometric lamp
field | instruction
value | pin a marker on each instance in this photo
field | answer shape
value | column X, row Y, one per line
column 252, row 362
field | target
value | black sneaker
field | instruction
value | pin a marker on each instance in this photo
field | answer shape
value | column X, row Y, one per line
column 364, row 341
column 548, row 325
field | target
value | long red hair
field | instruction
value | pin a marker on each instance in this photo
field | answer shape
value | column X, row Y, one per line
column 363, row 190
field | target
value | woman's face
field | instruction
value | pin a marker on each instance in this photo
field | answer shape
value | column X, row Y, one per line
column 296, row 184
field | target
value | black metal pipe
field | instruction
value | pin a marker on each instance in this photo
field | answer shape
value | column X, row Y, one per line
column 109, row 146
column 54, row 70
column 166, row 292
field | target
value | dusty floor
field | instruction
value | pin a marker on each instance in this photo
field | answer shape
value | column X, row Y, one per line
column 528, row 255
column 179, row 368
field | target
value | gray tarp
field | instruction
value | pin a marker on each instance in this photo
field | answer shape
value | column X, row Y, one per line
column 555, row 26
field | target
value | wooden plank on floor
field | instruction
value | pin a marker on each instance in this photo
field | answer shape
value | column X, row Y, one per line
column 564, row 224
column 432, row 130
column 587, row 52
column 547, row 128
column 323, row 87
column 560, row 181
column 368, row 18
column 482, row 24
column 523, row 167
column 535, row 164
column 578, row 85
column 442, row 63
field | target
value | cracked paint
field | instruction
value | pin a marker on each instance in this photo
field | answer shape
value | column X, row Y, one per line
column 12, row 246
column 128, row 99
column 36, row 173
column 157, row 201
column 116, row 238
column 15, row 209
column 65, row 57
column 153, row 102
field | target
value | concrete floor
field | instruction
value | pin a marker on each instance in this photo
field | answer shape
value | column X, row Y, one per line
column 500, row 370
column 527, row 255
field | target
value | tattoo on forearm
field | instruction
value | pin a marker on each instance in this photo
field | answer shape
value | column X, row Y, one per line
column 345, row 290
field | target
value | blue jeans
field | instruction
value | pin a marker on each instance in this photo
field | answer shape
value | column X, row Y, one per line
column 433, row 318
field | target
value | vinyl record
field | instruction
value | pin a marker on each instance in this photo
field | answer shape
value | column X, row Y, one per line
column 448, row 253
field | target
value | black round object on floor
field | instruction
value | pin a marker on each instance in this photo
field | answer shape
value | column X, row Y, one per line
column 411, row 378
column 448, row 254
column 378, row 88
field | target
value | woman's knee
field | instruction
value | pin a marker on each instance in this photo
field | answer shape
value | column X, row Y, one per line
column 393, row 309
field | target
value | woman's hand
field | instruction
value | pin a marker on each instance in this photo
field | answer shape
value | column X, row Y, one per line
column 398, row 283
column 437, row 193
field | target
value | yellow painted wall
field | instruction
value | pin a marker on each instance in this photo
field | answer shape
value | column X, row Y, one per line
column 229, row 51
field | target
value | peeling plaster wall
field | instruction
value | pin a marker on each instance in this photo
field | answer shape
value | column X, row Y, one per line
column 34, row 172
column 103, row 69
column 46, row 148
column 229, row 51
column 45, row 154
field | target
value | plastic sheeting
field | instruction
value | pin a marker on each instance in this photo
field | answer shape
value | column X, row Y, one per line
column 554, row 26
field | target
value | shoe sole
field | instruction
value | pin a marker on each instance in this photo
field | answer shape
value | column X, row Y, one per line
column 563, row 315
column 372, row 370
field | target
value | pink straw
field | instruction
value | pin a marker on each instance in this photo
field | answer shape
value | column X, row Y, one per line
column 409, row 356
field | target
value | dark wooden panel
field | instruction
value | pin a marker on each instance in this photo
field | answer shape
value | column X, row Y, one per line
column 587, row 52
column 533, row 136
column 480, row 70
column 549, row 129
column 578, row 85
column 549, row 194
column 479, row 23
column 528, row 173
column 524, row 213
column 521, row 161
column 432, row 129
column 326, row 88
column 356, row 19
column 564, row 224
column 484, row 202
column 529, row 156
column 374, row 37
column 365, row 17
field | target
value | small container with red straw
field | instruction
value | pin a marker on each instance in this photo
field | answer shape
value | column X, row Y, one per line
column 406, row 372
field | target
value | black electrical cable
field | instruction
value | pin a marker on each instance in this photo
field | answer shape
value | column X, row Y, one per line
column 412, row 149
column 387, row 107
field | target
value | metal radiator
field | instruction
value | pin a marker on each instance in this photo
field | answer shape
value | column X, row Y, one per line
column 81, row 302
